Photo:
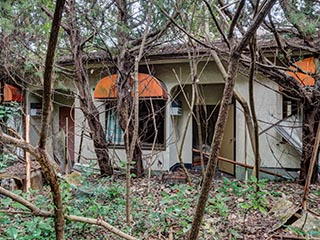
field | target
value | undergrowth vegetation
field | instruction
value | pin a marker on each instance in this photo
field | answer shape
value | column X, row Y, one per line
column 166, row 211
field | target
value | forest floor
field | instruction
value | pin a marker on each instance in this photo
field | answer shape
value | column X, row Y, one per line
column 164, row 210
column 234, row 210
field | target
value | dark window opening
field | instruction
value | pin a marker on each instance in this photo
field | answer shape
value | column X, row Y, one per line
column 292, row 116
column 290, row 107
column 151, row 124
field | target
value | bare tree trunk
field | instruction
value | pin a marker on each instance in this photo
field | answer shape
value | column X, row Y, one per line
column 51, row 176
column 257, row 159
column 134, row 140
column 92, row 115
column 310, row 174
column 309, row 125
column 124, row 105
column 243, row 104
column 215, row 147
column 255, row 171
column 125, row 100
column 86, row 102
column 48, row 170
column 235, row 53
column 198, row 120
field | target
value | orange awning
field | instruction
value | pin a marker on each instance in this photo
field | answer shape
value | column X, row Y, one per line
column 148, row 86
column 12, row 93
column 307, row 65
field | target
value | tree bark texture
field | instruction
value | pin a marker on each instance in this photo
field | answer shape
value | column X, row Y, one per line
column 86, row 101
column 48, row 170
column 215, row 147
column 51, row 177
column 47, row 75
column 125, row 65
column 92, row 115
column 257, row 160
column 235, row 53
column 312, row 164
column 242, row 101
column 38, row 212
column 309, row 125
column 125, row 113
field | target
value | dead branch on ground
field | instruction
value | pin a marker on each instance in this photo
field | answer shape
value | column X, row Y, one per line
column 42, row 213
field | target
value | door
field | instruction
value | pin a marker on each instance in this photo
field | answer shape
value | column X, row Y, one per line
column 227, row 147
column 66, row 117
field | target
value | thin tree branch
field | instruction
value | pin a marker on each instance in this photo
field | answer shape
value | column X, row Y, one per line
column 254, row 26
column 157, row 33
column 47, row 75
column 216, row 22
column 49, row 14
column 313, row 160
column 42, row 213
column 19, row 143
column 257, row 160
column 144, row 37
column 235, row 19
column 102, row 223
column 187, row 33
column 92, row 35
column 303, row 47
column 34, row 209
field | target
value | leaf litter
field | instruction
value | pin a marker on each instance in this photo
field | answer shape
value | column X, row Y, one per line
column 163, row 209
column 231, row 212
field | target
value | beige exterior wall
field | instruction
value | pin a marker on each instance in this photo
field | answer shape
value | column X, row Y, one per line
column 35, row 96
column 176, row 75
column 267, row 102
column 169, row 74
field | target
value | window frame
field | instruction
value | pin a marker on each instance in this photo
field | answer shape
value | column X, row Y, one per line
column 110, row 105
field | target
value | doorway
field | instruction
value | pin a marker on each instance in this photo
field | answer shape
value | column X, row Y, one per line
column 204, row 121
